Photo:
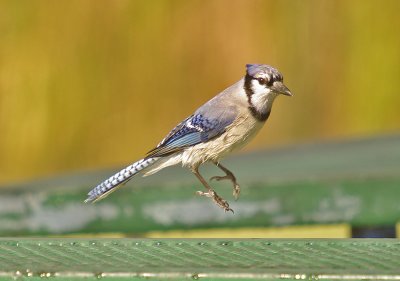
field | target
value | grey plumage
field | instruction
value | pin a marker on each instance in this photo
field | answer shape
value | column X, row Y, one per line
column 223, row 124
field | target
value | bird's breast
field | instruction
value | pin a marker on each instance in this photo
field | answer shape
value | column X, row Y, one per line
column 238, row 134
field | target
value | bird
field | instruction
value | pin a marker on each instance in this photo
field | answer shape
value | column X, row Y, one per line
column 222, row 125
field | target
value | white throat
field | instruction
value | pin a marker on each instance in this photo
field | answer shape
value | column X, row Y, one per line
column 262, row 97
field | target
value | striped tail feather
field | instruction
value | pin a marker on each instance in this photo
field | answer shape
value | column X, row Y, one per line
column 110, row 185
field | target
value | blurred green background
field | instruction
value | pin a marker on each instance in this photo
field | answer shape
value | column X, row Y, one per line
column 94, row 84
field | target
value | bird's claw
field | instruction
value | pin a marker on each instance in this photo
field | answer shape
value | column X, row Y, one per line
column 236, row 191
column 236, row 187
column 222, row 203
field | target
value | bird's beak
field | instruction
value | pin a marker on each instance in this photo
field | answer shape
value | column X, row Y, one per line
column 280, row 88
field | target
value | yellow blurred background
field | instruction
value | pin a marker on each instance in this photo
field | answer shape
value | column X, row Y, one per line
column 95, row 84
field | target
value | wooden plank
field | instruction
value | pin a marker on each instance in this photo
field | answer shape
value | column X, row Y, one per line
column 355, row 182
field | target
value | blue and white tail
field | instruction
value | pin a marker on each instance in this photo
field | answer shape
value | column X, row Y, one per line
column 109, row 185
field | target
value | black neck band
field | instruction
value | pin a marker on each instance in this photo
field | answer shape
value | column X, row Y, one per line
column 260, row 116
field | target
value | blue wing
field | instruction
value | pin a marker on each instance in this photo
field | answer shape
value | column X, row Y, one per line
column 194, row 130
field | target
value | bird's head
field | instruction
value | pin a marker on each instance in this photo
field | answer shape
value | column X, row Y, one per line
column 264, row 79
column 262, row 84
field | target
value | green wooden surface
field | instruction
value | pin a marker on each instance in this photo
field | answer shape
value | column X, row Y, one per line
column 355, row 182
column 208, row 259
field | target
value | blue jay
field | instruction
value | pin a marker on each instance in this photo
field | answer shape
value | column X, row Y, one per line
column 223, row 124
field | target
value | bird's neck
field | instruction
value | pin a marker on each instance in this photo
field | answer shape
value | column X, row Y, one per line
column 261, row 111
column 259, row 104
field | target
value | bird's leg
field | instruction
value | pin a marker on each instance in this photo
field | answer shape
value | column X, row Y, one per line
column 229, row 176
column 210, row 192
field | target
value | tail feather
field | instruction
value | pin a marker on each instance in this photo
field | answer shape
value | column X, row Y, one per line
column 163, row 163
column 110, row 185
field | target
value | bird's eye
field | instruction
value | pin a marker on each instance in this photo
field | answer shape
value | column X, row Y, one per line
column 261, row 80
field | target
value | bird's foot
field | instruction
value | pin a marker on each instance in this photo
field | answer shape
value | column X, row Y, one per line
column 231, row 177
column 222, row 203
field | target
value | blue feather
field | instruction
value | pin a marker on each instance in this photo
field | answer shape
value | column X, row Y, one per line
column 194, row 130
